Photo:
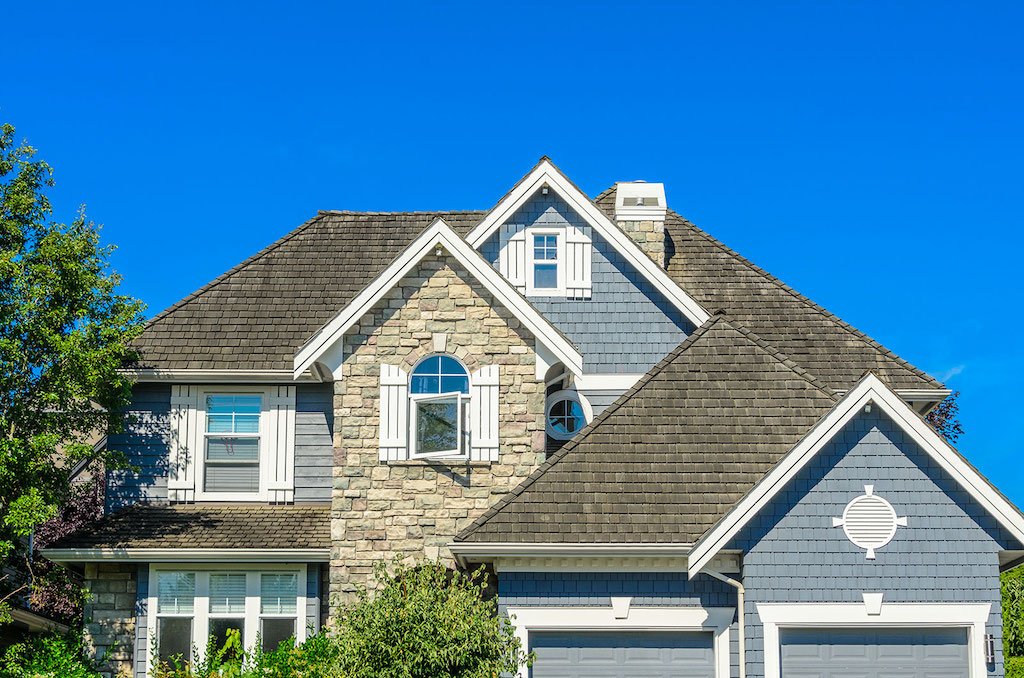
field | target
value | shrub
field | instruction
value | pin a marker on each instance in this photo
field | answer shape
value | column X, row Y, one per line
column 48, row 656
column 427, row 622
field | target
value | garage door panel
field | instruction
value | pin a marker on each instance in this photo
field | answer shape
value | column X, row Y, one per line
column 647, row 654
column 874, row 653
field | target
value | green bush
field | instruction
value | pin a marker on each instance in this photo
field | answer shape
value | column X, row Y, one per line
column 47, row 656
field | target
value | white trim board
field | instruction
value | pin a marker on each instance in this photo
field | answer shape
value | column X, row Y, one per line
column 776, row 616
column 438, row 234
column 213, row 555
column 715, row 620
column 545, row 173
column 870, row 390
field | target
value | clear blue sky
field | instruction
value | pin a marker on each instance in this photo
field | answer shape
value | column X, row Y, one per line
column 869, row 154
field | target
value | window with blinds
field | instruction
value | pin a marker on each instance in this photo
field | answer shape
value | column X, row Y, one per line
column 232, row 454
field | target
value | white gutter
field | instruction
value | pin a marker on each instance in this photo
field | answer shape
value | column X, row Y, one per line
column 740, row 627
column 188, row 555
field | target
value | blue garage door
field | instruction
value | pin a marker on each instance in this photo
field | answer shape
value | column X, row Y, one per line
column 875, row 653
column 641, row 654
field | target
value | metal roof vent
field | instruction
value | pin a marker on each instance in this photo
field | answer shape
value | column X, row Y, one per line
column 639, row 201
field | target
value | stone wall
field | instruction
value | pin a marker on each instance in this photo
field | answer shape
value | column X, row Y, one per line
column 413, row 509
column 650, row 235
column 110, row 615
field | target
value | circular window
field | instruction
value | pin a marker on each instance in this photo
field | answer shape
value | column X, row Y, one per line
column 565, row 416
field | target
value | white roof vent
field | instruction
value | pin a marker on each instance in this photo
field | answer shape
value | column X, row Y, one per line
column 639, row 201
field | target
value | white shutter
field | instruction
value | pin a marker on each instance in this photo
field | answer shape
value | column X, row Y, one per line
column 279, row 460
column 512, row 256
column 394, row 411
column 184, row 444
column 483, row 414
column 578, row 258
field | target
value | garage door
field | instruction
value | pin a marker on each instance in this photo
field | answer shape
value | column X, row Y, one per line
column 641, row 654
column 877, row 653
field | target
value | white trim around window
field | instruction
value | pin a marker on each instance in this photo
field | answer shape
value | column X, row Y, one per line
column 559, row 262
column 200, row 612
column 622, row 617
column 776, row 616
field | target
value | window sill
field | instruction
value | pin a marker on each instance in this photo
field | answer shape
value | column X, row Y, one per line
column 437, row 462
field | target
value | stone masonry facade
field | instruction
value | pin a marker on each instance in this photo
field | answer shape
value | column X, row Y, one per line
column 110, row 615
column 413, row 509
column 649, row 235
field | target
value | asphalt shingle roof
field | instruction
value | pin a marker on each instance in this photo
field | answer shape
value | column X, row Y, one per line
column 668, row 459
column 257, row 315
column 241, row 526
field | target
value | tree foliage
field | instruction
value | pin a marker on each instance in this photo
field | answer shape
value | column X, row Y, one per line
column 65, row 330
column 427, row 622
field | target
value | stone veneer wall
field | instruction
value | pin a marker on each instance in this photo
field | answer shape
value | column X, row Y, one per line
column 650, row 235
column 110, row 615
column 413, row 509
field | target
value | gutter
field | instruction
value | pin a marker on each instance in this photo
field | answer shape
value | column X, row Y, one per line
column 171, row 555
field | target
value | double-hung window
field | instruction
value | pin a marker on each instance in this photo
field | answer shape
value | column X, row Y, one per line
column 197, row 609
column 439, row 395
column 546, row 271
column 231, row 446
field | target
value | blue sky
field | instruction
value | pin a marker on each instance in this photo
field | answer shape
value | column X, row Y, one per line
column 869, row 154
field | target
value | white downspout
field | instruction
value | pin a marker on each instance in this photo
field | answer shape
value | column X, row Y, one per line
column 741, row 645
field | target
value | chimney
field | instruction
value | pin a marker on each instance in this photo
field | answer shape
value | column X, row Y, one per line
column 640, row 212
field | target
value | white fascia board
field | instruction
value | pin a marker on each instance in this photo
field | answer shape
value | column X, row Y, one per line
column 606, row 382
column 439, row 233
column 870, row 389
column 153, row 555
column 149, row 375
column 546, row 173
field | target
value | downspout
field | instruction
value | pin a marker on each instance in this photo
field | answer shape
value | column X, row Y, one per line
column 740, row 591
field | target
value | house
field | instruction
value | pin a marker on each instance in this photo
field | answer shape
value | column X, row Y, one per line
column 674, row 463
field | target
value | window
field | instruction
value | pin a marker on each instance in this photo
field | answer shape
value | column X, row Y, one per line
column 194, row 608
column 565, row 415
column 231, row 459
column 545, row 274
column 439, row 395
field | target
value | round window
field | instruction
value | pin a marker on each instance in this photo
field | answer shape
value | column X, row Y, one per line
column 565, row 416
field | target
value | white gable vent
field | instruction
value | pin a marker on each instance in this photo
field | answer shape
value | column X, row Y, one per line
column 639, row 201
column 869, row 521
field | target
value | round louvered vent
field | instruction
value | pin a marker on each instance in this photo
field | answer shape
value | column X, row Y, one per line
column 869, row 521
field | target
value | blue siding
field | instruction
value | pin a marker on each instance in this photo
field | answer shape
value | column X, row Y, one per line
column 627, row 326
column 947, row 553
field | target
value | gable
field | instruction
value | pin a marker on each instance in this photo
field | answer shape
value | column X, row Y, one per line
column 627, row 325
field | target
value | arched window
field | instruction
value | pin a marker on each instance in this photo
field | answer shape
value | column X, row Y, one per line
column 439, row 391
column 566, row 415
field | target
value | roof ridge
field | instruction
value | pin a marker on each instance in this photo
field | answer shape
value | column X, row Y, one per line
column 800, row 297
column 231, row 271
column 586, row 430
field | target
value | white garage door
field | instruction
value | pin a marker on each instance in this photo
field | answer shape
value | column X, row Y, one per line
column 875, row 653
column 639, row 654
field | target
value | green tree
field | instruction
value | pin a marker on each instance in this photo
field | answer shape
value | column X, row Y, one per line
column 427, row 622
column 64, row 333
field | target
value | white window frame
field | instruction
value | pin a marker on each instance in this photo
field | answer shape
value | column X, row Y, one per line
column 971, row 616
column 559, row 290
column 201, row 602
column 622, row 617
column 567, row 394
column 463, row 399
column 264, row 445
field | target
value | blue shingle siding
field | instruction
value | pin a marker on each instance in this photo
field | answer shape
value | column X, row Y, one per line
column 947, row 553
column 627, row 326
column 144, row 443
column 314, row 442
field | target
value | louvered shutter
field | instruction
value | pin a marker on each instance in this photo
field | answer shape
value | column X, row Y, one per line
column 512, row 256
column 483, row 414
column 578, row 257
column 280, row 441
column 184, row 444
column 394, row 413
